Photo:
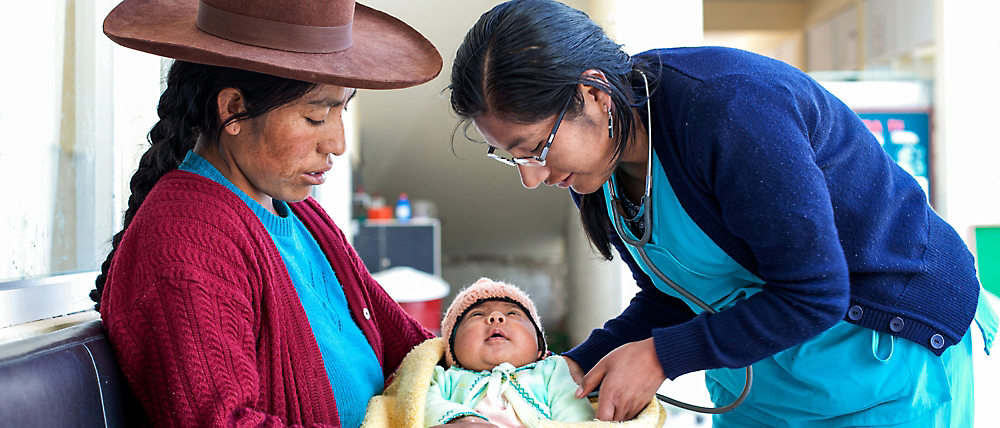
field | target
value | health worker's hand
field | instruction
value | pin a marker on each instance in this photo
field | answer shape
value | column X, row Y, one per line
column 574, row 369
column 629, row 377
column 467, row 421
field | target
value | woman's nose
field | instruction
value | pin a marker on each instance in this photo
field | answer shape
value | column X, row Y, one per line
column 332, row 139
column 496, row 316
column 532, row 176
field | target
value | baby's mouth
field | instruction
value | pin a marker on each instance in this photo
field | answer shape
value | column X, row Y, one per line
column 497, row 334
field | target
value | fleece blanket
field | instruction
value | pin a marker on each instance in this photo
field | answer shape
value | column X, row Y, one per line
column 401, row 405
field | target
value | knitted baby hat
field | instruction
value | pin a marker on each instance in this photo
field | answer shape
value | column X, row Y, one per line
column 485, row 289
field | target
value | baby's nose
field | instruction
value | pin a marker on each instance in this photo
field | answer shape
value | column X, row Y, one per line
column 496, row 316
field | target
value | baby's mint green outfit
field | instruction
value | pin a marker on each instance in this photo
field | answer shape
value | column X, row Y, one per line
column 545, row 390
column 845, row 376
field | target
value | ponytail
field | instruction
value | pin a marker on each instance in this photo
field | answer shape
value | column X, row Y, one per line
column 187, row 112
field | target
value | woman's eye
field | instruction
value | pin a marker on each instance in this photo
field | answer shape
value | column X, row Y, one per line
column 315, row 122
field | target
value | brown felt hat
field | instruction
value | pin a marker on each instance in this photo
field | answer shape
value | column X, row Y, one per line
column 337, row 42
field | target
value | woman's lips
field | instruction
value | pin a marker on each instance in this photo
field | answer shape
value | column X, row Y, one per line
column 315, row 178
column 566, row 182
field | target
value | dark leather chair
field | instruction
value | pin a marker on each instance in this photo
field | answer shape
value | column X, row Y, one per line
column 67, row 378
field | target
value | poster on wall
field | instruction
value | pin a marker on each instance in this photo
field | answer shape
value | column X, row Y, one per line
column 905, row 136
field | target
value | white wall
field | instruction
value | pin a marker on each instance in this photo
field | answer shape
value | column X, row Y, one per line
column 966, row 152
column 406, row 146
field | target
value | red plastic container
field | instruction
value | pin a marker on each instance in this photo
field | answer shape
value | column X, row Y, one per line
column 427, row 313
column 418, row 293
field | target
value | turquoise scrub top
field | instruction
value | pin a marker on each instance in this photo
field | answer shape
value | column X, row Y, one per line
column 845, row 376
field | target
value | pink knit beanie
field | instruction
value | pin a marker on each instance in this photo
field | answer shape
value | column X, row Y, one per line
column 483, row 290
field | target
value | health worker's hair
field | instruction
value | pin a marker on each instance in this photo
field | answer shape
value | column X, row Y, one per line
column 524, row 58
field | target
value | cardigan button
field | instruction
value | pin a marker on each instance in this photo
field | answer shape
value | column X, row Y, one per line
column 368, row 315
column 855, row 312
column 896, row 324
column 937, row 341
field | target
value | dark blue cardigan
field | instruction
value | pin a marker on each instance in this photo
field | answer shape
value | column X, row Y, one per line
column 787, row 180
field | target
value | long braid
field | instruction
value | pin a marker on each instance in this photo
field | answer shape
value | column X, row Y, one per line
column 170, row 139
column 187, row 112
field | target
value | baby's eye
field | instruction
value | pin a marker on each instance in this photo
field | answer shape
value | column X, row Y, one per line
column 475, row 314
column 515, row 313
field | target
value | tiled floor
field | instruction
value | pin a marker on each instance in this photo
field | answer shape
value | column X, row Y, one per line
column 691, row 388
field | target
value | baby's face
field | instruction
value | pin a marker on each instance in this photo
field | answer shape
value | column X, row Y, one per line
column 495, row 332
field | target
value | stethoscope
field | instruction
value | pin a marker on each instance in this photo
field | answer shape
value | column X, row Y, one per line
column 639, row 244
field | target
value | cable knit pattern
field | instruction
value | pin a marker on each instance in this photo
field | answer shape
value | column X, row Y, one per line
column 207, row 325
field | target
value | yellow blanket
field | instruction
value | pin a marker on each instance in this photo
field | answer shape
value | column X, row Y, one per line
column 402, row 403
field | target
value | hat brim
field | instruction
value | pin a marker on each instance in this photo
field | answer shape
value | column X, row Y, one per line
column 386, row 52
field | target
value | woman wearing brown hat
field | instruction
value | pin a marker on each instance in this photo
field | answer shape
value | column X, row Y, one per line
column 230, row 297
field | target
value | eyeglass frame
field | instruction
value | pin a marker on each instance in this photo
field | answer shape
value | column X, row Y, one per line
column 538, row 160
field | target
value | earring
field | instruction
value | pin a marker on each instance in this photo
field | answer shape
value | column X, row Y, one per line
column 611, row 125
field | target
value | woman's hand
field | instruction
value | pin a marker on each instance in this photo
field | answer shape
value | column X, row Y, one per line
column 467, row 421
column 574, row 369
column 629, row 377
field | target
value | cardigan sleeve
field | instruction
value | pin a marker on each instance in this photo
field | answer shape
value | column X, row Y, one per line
column 749, row 143
column 180, row 311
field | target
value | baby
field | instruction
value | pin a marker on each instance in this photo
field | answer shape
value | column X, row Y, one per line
column 500, row 371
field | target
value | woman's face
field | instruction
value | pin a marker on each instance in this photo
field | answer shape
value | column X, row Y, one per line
column 495, row 332
column 284, row 153
column 581, row 157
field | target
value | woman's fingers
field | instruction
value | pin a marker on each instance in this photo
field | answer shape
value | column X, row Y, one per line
column 574, row 369
column 629, row 377
column 591, row 380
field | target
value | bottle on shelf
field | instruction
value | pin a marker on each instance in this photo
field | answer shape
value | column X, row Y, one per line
column 403, row 210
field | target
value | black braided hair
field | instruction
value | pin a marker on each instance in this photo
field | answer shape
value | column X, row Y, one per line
column 188, row 110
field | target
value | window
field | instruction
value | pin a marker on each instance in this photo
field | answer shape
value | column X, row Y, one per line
column 74, row 111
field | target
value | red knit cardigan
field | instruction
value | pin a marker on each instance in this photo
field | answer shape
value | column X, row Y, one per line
column 206, row 323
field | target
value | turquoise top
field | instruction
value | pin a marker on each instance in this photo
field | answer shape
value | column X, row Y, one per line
column 684, row 253
column 847, row 375
column 322, row 297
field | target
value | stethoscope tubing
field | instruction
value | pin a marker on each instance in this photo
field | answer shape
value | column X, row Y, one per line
column 639, row 245
column 618, row 215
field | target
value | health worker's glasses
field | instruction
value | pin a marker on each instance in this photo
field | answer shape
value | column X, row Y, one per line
column 533, row 160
